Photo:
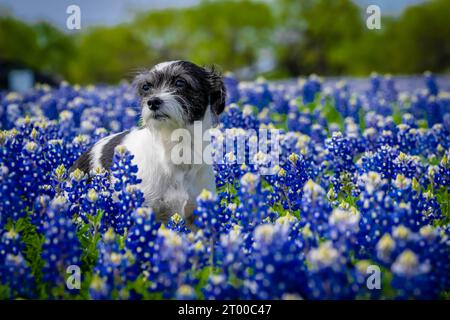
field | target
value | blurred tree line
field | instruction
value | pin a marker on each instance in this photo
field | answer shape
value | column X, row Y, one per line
column 281, row 38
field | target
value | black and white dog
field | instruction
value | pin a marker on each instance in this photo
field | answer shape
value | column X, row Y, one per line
column 173, row 95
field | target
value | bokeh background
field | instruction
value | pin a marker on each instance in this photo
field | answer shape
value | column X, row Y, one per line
column 276, row 39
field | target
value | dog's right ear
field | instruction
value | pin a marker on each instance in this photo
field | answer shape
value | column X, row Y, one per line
column 218, row 91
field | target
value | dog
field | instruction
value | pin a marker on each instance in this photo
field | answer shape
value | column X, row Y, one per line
column 173, row 95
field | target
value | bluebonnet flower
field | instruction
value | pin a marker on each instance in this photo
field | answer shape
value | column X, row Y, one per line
column 315, row 209
column 129, row 197
column 278, row 263
column 288, row 183
column 15, row 272
column 311, row 87
column 381, row 161
column 375, row 83
column 442, row 174
column 408, row 139
column 409, row 120
column 373, row 204
column 229, row 171
column 256, row 93
column 341, row 151
column 185, row 292
column 346, row 103
column 434, row 113
column 123, row 170
column 431, row 84
column 328, row 274
column 411, row 257
column 114, row 268
column 75, row 188
column 362, row 178
column 234, row 253
column 252, row 207
column 414, row 208
column 11, row 109
column 210, row 216
column 141, row 239
column 280, row 99
column 410, row 275
column 170, row 265
column 61, row 247
column 218, row 287
column 199, row 250
column 231, row 84
column 436, row 136
column 177, row 223
column 234, row 117
column 391, row 92
column 345, row 183
column 408, row 166
column 344, row 227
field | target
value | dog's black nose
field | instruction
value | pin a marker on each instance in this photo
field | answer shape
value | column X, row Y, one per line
column 154, row 103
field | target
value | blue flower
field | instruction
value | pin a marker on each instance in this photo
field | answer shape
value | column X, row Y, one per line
column 61, row 248
column 177, row 223
column 328, row 278
column 288, row 183
column 141, row 239
column 210, row 216
column 14, row 271
column 278, row 263
column 360, row 179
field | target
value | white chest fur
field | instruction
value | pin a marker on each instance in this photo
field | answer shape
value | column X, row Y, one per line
column 167, row 188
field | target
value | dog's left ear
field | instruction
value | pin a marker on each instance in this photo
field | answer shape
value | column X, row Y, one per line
column 218, row 91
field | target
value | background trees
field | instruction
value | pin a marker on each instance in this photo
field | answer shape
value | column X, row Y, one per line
column 278, row 39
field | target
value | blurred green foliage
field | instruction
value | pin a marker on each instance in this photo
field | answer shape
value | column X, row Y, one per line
column 328, row 37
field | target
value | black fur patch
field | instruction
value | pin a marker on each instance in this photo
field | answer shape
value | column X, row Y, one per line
column 83, row 162
column 106, row 158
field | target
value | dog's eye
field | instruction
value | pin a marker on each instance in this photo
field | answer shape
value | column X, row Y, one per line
column 146, row 86
column 180, row 83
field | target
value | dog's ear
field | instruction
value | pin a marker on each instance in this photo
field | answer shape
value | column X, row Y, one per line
column 218, row 91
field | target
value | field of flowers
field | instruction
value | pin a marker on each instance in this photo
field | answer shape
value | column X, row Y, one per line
column 363, row 181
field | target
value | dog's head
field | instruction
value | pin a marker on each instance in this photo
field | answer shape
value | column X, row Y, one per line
column 177, row 93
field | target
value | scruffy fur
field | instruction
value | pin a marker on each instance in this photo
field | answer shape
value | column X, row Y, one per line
column 184, row 93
